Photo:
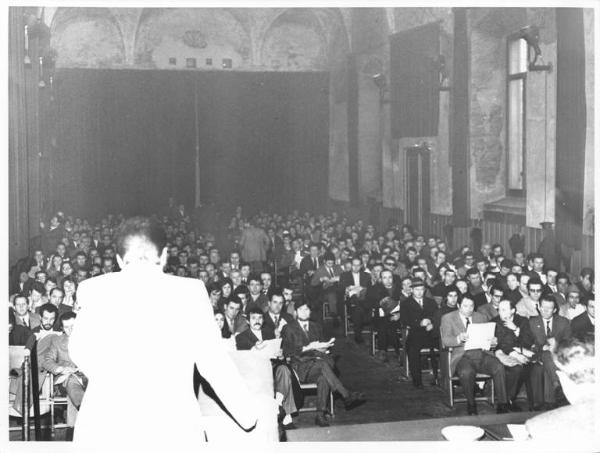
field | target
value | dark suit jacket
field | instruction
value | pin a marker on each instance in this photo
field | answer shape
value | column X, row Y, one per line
column 260, row 302
column 346, row 279
column 323, row 272
column 269, row 325
column 507, row 340
column 560, row 330
column 377, row 292
column 19, row 335
column 294, row 338
column 307, row 265
column 581, row 326
column 411, row 315
column 246, row 340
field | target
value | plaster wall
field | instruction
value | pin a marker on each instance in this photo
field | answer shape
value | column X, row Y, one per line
column 588, row 182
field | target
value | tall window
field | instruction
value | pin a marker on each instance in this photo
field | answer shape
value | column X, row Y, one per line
column 516, row 78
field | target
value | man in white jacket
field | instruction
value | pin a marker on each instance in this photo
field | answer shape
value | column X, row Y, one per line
column 140, row 390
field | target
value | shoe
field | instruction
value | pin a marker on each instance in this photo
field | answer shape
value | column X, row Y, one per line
column 514, row 407
column 502, row 408
column 471, row 409
column 321, row 420
column 354, row 400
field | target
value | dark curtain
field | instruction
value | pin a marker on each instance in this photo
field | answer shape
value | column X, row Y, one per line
column 570, row 125
column 414, row 81
column 126, row 140
column 24, row 138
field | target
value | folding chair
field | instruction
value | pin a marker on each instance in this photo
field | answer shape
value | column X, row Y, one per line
column 450, row 381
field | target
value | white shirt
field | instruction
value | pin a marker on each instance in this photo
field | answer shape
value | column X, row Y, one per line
column 304, row 325
column 257, row 334
column 356, row 278
column 574, row 312
column 548, row 323
column 464, row 320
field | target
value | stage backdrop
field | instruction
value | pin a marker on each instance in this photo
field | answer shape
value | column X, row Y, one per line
column 126, row 140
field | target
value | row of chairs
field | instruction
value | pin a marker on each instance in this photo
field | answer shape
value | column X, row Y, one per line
column 448, row 382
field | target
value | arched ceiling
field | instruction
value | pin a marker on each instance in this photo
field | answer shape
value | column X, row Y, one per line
column 253, row 38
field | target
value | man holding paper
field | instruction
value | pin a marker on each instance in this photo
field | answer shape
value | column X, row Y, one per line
column 304, row 344
column 263, row 342
column 466, row 363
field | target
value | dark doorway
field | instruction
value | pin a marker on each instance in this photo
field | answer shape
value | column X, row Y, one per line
column 418, row 193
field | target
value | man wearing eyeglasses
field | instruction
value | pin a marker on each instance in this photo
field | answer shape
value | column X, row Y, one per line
column 490, row 310
column 529, row 306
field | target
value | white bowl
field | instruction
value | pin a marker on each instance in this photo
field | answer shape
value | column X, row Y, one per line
column 462, row 433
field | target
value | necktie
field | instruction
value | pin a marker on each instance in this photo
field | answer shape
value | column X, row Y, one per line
column 276, row 321
column 468, row 322
column 25, row 323
column 331, row 272
column 548, row 329
column 305, row 327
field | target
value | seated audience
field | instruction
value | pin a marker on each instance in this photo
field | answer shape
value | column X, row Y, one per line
column 514, row 340
column 355, row 284
column 490, row 310
column 578, row 422
column 252, row 339
column 235, row 323
column 58, row 362
column 529, row 306
column 573, row 307
column 417, row 314
column 305, row 346
column 547, row 329
column 466, row 364
column 583, row 326
column 23, row 316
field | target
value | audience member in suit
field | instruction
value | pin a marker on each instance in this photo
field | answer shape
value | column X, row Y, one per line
column 18, row 335
column 252, row 339
column 254, row 244
column 514, row 340
column 325, row 281
column 466, row 364
column 23, row 316
column 548, row 330
column 234, row 321
column 257, row 298
column 449, row 304
column 417, row 313
column 56, row 298
column 440, row 290
column 578, row 421
column 385, row 326
column 308, row 266
column 573, row 307
column 275, row 318
column 583, row 325
column 529, row 305
column 304, row 344
column 511, row 290
column 58, row 362
column 355, row 284
column 562, row 284
column 586, row 283
column 490, row 310
column 476, row 292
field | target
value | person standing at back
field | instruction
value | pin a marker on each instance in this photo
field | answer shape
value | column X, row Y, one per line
column 254, row 244
column 150, row 376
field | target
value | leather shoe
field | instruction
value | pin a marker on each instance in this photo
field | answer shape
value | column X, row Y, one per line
column 502, row 408
column 321, row 420
column 514, row 407
column 471, row 409
column 354, row 400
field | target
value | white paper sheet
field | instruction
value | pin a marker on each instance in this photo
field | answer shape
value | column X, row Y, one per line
column 270, row 348
column 518, row 432
column 480, row 335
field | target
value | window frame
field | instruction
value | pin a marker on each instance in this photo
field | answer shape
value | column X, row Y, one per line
column 511, row 78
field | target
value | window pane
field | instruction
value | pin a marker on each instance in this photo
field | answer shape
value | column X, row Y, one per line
column 515, row 134
column 517, row 57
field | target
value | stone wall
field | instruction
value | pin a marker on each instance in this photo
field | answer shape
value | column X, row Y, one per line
column 588, row 183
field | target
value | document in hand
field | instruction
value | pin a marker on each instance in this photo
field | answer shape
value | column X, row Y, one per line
column 480, row 336
column 270, row 348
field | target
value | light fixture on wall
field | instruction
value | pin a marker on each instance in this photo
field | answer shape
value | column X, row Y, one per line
column 42, row 83
column 440, row 62
column 531, row 35
column 27, row 58
column 380, row 80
